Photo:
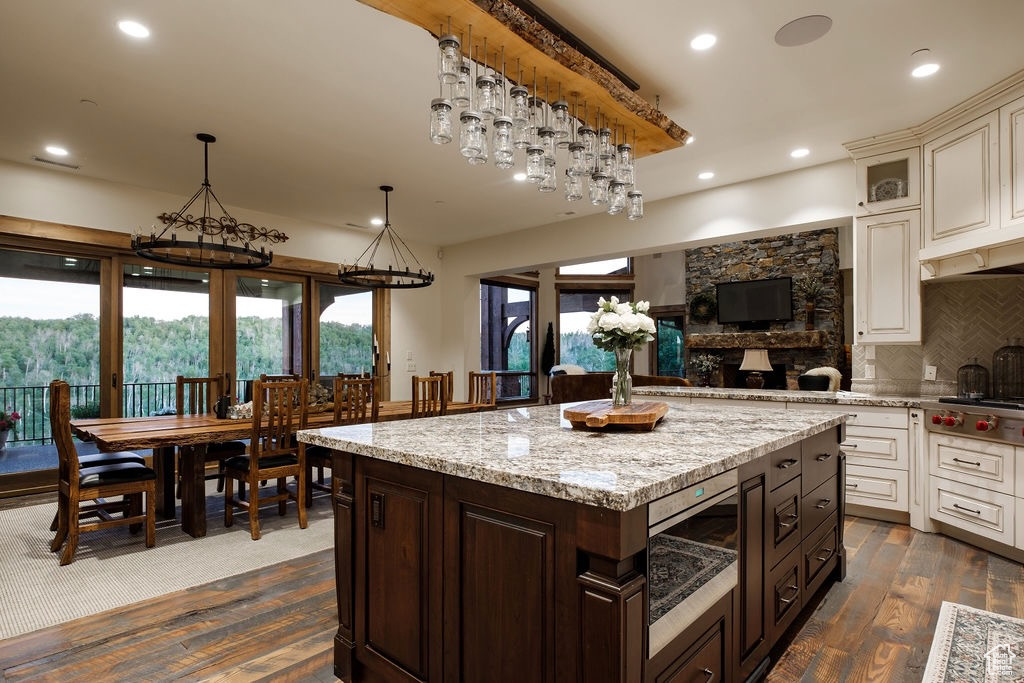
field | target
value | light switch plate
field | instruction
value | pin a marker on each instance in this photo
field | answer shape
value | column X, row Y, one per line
column 410, row 366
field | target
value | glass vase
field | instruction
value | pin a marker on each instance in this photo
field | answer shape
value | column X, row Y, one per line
column 622, row 383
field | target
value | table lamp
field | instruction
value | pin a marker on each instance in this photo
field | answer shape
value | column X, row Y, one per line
column 755, row 361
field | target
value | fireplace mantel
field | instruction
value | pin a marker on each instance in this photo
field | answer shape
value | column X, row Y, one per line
column 811, row 339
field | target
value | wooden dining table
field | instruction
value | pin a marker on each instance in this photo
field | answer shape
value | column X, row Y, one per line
column 192, row 433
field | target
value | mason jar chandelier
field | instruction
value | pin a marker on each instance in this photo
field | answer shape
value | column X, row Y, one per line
column 503, row 122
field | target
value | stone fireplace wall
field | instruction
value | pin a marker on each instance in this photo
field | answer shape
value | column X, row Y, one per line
column 790, row 344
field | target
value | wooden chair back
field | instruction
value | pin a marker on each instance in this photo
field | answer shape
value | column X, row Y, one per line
column 449, row 383
column 60, row 428
column 197, row 395
column 429, row 396
column 354, row 375
column 355, row 400
column 279, row 378
column 483, row 388
column 278, row 411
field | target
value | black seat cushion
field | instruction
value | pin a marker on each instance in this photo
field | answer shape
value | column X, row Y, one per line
column 223, row 449
column 241, row 462
column 318, row 452
column 114, row 473
column 94, row 459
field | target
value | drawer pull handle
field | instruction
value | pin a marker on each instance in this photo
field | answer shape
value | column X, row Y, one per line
column 796, row 592
column 823, row 457
column 967, row 462
column 852, row 486
column 709, row 673
column 786, row 464
column 852, row 416
column 786, row 525
column 825, row 502
column 846, row 445
column 827, row 556
column 961, row 507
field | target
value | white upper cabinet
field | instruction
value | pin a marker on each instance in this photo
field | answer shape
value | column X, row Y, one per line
column 961, row 188
column 887, row 280
column 886, row 182
column 1011, row 166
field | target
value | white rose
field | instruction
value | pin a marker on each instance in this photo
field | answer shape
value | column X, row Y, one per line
column 614, row 301
column 610, row 321
column 643, row 306
column 595, row 323
column 629, row 323
column 647, row 324
column 624, row 309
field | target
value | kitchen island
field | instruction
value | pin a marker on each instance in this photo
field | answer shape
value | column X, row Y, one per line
column 507, row 546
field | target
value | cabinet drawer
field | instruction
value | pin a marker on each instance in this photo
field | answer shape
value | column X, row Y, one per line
column 703, row 662
column 877, row 416
column 783, row 465
column 819, row 504
column 971, row 461
column 986, row 513
column 784, row 520
column 820, row 551
column 820, row 455
column 784, row 593
column 876, row 446
column 878, row 487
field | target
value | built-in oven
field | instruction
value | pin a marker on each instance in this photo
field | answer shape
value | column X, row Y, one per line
column 691, row 555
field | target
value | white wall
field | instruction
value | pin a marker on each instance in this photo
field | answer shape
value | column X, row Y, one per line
column 64, row 197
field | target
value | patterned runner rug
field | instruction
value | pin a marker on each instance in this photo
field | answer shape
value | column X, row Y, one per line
column 972, row 645
column 678, row 567
column 113, row 568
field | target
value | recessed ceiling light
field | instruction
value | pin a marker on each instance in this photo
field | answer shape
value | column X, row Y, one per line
column 706, row 175
column 519, row 177
column 924, row 64
column 799, row 152
column 56, row 151
column 703, row 41
column 803, row 30
column 376, row 221
column 133, row 28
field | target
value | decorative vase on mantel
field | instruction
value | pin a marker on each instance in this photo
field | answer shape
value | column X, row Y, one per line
column 622, row 383
column 809, row 310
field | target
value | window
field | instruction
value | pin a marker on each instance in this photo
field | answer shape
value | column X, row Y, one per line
column 669, row 347
column 575, row 345
column 346, row 329
column 165, row 332
column 615, row 266
column 506, row 338
column 268, row 327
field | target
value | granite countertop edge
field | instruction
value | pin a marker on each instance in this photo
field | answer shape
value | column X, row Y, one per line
column 819, row 397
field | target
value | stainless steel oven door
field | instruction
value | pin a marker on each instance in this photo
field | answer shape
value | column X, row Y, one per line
column 691, row 555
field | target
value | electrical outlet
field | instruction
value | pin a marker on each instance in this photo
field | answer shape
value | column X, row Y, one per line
column 930, row 372
column 869, row 372
column 869, row 352
column 410, row 366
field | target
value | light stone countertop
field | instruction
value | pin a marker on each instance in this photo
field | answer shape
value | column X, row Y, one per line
column 535, row 449
column 823, row 397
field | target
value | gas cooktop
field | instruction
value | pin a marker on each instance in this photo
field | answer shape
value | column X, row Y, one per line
column 1014, row 403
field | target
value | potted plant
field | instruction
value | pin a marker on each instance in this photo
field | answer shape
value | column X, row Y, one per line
column 705, row 364
column 811, row 289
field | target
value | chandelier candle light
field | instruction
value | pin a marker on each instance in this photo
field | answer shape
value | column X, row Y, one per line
column 222, row 243
column 621, row 328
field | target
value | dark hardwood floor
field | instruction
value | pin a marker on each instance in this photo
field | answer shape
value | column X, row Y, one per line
column 278, row 623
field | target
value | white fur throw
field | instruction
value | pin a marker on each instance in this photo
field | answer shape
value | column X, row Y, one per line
column 834, row 376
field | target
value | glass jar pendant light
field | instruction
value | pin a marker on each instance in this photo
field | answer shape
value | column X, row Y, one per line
column 624, row 166
column 440, row 121
column 471, row 134
column 449, row 58
column 549, row 183
column 546, row 140
column 598, row 188
column 573, row 186
column 535, row 167
column 480, row 157
column 577, row 159
column 634, row 205
column 504, row 151
column 616, row 197
column 561, row 121
column 520, row 110
column 460, row 91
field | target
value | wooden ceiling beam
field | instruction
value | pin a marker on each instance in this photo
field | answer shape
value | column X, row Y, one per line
column 526, row 40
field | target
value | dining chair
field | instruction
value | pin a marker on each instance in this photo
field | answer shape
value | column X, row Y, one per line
column 286, row 377
column 449, row 385
column 483, row 388
column 429, row 395
column 77, row 484
column 197, row 396
column 355, row 401
column 354, row 375
column 278, row 411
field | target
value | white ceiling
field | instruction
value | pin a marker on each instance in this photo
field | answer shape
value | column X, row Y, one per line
column 315, row 103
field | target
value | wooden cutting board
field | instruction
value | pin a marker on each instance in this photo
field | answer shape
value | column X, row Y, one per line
column 639, row 415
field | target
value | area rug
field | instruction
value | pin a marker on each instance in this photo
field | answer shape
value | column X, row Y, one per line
column 678, row 567
column 113, row 568
column 972, row 645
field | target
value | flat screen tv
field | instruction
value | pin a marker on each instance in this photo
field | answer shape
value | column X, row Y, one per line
column 755, row 303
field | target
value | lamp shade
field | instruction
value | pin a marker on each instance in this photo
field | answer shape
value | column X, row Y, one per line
column 756, row 360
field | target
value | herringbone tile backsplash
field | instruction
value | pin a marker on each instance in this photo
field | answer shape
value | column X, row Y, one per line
column 961, row 320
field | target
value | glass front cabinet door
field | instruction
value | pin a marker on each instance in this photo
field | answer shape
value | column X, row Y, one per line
column 886, row 182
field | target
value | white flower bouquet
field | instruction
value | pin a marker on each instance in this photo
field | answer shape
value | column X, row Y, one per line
column 621, row 325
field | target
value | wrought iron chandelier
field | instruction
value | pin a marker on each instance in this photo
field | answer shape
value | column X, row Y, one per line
column 206, row 241
column 398, row 274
